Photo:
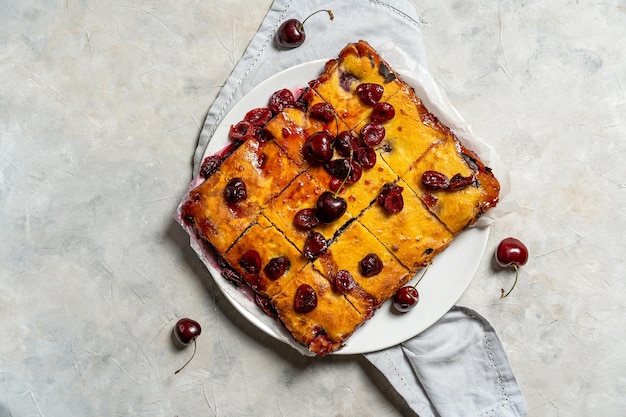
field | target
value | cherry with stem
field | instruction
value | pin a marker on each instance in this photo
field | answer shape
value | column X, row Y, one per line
column 407, row 297
column 187, row 331
column 511, row 252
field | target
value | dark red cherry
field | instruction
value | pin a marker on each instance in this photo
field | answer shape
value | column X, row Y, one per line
column 291, row 32
column 265, row 304
column 370, row 93
column 210, row 164
column 405, row 298
column 390, row 198
column 277, row 267
column 330, row 207
column 186, row 331
column 356, row 171
column 258, row 117
column 241, row 131
column 434, row 180
column 366, row 156
column 315, row 246
column 323, row 112
column 382, row 112
column 511, row 252
column 371, row 265
column 250, row 261
column 306, row 219
column 305, row 299
column 344, row 281
column 335, row 184
column 346, row 142
column 281, row 100
column 338, row 168
column 318, row 148
column 458, row 181
column 372, row 134
column 235, row 191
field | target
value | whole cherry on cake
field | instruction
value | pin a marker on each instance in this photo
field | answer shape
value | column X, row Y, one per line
column 291, row 32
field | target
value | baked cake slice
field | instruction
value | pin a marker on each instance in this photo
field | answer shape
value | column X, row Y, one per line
column 264, row 258
column 374, row 268
column 315, row 312
column 414, row 235
column 472, row 189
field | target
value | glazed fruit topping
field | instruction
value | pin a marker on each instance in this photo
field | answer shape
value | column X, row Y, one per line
column 458, row 181
column 258, row 117
column 370, row 93
column 355, row 172
column 318, row 148
column 371, row 265
column 250, row 261
column 323, row 112
column 315, row 246
column 336, row 184
column 306, row 219
column 434, row 180
column 281, row 100
column 277, row 267
column 366, row 157
column 382, row 112
column 372, row 133
column 405, row 299
column 330, row 207
column 210, row 165
column 241, row 131
column 235, row 191
column 391, row 199
column 344, row 281
column 511, row 252
column 338, row 168
column 265, row 305
column 384, row 71
column 291, row 32
column 346, row 80
column 346, row 142
column 305, row 299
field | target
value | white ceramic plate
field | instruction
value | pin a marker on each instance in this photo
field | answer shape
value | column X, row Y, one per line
column 444, row 283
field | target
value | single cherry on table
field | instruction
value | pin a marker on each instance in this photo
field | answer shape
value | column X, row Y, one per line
column 511, row 252
column 186, row 331
column 291, row 32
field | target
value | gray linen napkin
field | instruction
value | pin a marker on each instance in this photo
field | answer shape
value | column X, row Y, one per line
column 457, row 367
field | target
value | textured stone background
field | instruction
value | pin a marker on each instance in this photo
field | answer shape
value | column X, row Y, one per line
column 101, row 104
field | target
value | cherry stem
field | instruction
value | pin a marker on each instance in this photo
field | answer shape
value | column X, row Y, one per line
column 189, row 360
column 330, row 14
column 423, row 273
column 514, row 283
column 346, row 178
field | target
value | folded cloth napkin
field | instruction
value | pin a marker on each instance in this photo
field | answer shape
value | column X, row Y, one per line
column 457, row 367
